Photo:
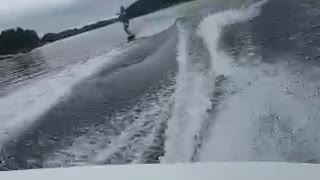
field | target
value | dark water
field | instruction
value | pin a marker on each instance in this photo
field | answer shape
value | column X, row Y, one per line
column 119, row 114
column 284, row 28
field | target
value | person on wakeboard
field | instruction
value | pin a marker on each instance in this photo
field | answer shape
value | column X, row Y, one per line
column 123, row 17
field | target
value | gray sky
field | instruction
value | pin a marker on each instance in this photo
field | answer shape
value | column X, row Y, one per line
column 55, row 15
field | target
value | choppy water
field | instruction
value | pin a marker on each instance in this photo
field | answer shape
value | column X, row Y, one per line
column 205, row 81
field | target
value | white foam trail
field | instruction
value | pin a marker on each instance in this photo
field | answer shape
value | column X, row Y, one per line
column 20, row 109
column 190, row 105
column 195, row 88
column 211, row 28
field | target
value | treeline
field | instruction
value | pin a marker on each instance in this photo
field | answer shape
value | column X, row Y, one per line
column 51, row 37
column 142, row 7
column 18, row 40
column 13, row 41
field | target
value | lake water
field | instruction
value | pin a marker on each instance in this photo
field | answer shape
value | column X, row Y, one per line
column 204, row 81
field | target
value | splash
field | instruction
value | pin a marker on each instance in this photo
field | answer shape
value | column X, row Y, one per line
column 211, row 29
column 196, row 83
column 270, row 113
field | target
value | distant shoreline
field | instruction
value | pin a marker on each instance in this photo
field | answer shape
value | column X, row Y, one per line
column 52, row 37
column 137, row 9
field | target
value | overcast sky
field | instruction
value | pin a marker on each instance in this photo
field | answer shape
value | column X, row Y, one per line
column 55, row 15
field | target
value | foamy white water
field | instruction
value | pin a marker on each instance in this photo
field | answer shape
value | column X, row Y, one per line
column 273, row 114
column 195, row 87
column 272, row 117
column 211, row 29
column 191, row 102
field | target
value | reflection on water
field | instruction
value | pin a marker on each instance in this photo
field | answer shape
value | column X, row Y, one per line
column 24, row 67
column 58, row 55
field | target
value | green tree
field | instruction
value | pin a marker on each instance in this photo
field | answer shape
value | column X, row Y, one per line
column 17, row 40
